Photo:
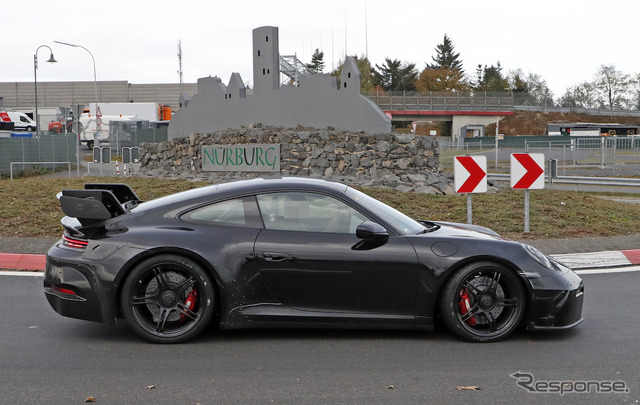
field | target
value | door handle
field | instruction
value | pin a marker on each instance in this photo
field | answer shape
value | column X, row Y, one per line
column 276, row 257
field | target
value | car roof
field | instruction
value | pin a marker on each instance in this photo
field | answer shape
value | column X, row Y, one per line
column 244, row 187
column 282, row 183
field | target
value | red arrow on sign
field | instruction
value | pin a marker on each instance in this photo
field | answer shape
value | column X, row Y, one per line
column 533, row 170
column 476, row 174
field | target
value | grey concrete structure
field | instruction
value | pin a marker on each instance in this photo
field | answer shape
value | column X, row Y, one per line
column 320, row 101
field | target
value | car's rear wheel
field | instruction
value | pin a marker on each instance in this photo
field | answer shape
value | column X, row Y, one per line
column 483, row 302
column 168, row 299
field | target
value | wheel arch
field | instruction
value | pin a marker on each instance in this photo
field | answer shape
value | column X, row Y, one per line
column 483, row 258
column 136, row 260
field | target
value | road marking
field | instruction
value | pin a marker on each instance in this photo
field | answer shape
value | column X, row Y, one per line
column 22, row 273
column 608, row 271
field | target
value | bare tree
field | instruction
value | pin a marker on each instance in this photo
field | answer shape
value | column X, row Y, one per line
column 583, row 95
column 614, row 87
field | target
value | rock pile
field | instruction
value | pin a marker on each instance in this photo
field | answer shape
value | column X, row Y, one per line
column 404, row 162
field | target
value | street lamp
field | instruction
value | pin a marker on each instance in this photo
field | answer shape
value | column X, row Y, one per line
column 35, row 80
column 96, row 135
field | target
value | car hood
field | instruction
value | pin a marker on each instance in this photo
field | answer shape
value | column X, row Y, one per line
column 458, row 230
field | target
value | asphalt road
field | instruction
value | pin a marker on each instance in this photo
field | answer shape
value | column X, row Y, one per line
column 46, row 358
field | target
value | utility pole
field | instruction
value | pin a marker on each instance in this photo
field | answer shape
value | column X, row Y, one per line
column 180, row 62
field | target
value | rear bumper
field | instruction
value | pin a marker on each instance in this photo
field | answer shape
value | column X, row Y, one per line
column 73, row 290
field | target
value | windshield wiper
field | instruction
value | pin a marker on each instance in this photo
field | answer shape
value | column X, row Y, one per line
column 428, row 227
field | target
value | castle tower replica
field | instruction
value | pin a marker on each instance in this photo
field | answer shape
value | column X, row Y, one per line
column 266, row 60
column 350, row 76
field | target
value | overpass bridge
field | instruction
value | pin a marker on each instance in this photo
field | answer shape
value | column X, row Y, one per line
column 465, row 114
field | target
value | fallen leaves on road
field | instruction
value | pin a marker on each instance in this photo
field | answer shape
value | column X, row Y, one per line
column 90, row 399
column 468, row 388
column 150, row 387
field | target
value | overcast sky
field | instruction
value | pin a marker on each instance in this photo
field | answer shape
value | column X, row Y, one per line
column 563, row 41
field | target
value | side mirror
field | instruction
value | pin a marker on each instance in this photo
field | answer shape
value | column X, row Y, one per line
column 370, row 231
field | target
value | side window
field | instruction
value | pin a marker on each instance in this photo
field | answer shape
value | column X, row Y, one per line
column 308, row 212
column 241, row 212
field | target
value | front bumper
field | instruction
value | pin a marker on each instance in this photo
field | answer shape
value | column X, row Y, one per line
column 556, row 309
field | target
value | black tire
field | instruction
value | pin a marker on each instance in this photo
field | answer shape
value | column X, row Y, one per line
column 155, row 299
column 483, row 302
column 30, row 129
column 90, row 145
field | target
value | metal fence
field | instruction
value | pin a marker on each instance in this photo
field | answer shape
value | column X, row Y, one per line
column 437, row 101
column 42, row 151
column 600, row 151
column 615, row 153
column 479, row 101
column 124, row 134
column 24, row 152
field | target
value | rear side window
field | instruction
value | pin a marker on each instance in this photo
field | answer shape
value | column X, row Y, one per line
column 240, row 212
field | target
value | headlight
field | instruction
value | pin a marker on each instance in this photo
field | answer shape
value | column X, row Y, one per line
column 538, row 256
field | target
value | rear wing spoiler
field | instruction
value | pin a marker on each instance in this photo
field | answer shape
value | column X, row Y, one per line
column 122, row 192
column 97, row 202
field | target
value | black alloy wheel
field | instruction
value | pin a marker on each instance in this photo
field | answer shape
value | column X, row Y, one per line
column 168, row 299
column 483, row 302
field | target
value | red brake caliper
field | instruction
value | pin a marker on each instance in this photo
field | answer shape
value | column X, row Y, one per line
column 465, row 306
column 190, row 303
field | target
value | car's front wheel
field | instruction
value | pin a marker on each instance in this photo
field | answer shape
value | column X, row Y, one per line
column 483, row 302
column 168, row 299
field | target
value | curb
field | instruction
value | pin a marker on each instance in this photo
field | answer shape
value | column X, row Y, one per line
column 614, row 258
column 17, row 261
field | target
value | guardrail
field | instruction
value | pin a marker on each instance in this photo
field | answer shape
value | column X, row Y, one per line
column 578, row 180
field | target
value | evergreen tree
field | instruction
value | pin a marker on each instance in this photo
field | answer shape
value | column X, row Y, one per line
column 489, row 78
column 394, row 75
column 446, row 57
column 446, row 73
column 517, row 81
column 317, row 63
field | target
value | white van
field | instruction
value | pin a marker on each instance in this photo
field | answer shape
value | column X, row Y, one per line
column 20, row 120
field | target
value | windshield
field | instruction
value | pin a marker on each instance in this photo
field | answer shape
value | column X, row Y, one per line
column 394, row 217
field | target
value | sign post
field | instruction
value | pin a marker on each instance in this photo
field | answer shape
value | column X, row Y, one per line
column 76, row 110
column 96, row 135
column 470, row 176
column 527, row 173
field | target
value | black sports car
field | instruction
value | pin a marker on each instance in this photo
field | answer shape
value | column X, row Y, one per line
column 293, row 252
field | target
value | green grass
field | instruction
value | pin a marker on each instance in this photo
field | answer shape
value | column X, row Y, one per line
column 29, row 208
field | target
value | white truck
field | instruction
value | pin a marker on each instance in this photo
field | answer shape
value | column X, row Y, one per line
column 152, row 112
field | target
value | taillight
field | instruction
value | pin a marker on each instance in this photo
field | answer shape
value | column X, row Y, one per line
column 74, row 243
column 59, row 289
